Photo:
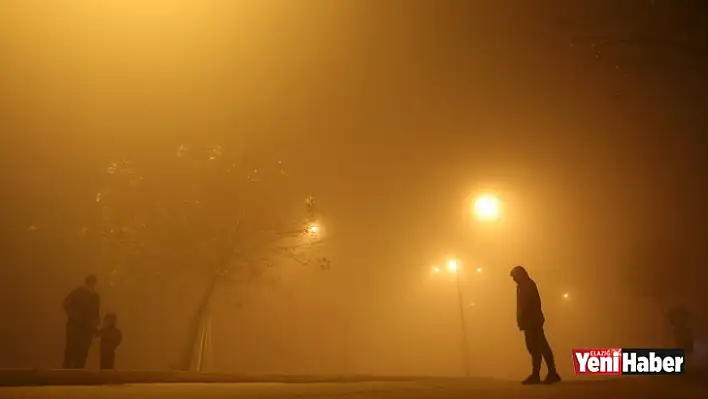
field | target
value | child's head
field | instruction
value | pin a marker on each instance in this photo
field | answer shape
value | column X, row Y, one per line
column 110, row 319
column 679, row 317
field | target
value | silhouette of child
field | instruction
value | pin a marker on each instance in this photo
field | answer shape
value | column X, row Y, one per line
column 110, row 337
column 683, row 333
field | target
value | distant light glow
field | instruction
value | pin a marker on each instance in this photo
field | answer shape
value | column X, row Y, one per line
column 566, row 296
column 436, row 269
column 479, row 270
column 314, row 229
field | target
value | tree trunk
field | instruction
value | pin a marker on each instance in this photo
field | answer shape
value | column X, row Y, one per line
column 196, row 328
column 203, row 349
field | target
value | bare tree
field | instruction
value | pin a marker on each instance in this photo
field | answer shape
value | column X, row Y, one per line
column 660, row 36
column 202, row 215
column 668, row 29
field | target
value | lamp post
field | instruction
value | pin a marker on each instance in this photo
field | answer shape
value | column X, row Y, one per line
column 485, row 207
column 454, row 267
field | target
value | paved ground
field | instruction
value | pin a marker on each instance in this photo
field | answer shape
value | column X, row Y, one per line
column 628, row 388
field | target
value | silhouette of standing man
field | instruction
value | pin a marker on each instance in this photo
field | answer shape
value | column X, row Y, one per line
column 529, row 317
column 82, row 310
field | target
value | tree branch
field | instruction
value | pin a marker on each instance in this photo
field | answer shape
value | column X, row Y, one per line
column 600, row 42
column 208, row 224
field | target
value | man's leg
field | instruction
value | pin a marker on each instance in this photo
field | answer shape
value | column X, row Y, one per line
column 108, row 360
column 85, row 338
column 532, row 345
column 70, row 347
column 547, row 354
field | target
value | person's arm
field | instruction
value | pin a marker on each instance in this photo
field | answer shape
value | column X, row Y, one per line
column 535, row 299
column 519, row 308
column 529, row 304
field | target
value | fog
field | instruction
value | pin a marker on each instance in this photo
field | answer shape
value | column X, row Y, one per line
column 392, row 114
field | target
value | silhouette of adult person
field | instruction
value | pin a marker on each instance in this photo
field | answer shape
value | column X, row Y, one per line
column 82, row 310
column 530, row 319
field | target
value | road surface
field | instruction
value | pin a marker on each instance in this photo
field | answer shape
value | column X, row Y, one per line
column 628, row 388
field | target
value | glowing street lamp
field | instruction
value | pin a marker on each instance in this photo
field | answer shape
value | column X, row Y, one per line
column 487, row 207
column 312, row 232
column 566, row 296
column 452, row 266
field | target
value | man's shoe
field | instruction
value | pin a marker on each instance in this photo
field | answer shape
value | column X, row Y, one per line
column 552, row 378
column 532, row 380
